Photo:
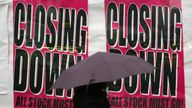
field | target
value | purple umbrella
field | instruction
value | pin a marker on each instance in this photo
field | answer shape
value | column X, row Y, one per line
column 102, row 67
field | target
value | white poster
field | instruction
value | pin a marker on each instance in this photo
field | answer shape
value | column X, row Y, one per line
column 187, row 28
column 97, row 30
column 6, row 81
column 4, row 46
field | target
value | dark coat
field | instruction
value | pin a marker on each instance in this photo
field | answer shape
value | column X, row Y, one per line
column 92, row 96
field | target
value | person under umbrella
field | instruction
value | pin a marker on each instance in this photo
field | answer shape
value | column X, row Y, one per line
column 99, row 68
column 91, row 96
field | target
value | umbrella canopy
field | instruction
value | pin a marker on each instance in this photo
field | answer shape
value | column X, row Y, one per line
column 102, row 67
